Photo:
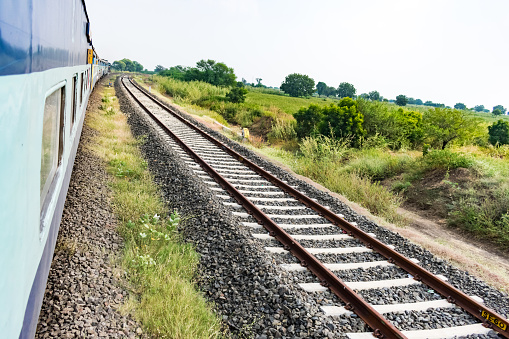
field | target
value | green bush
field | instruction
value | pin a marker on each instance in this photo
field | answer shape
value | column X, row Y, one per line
column 445, row 159
column 400, row 127
column 443, row 125
column 308, row 120
column 342, row 120
column 499, row 133
column 237, row 95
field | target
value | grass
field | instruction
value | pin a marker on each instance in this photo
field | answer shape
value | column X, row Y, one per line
column 188, row 91
column 376, row 177
column 160, row 267
column 288, row 105
column 322, row 159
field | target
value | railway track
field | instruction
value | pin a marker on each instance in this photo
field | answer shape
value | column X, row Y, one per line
column 307, row 237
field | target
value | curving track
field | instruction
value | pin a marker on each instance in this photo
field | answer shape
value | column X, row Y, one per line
column 308, row 237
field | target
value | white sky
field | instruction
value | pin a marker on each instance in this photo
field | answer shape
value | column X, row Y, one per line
column 440, row 50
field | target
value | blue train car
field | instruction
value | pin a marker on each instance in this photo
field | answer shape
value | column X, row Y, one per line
column 48, row 67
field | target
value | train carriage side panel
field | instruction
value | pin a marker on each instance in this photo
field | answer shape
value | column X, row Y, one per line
column 30, row 73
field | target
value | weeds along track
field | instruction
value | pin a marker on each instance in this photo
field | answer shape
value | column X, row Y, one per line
column 325, row 252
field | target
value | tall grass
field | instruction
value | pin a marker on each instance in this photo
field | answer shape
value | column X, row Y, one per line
column 160, row 267
column 189, row 92
column 486, row 218
column 282, row 130
column 321, row 159
column 377, row 164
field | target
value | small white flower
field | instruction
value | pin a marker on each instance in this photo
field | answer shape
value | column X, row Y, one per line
column 143, row 235
column 156, row 216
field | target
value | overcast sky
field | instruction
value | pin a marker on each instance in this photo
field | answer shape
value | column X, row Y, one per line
column 443, row 51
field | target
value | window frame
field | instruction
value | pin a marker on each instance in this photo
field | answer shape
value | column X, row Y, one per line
column 49, row 195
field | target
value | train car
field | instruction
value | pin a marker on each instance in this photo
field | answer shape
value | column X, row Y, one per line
column 48, row 67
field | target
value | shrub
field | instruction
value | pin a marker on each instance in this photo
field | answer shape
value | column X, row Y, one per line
column 443, row 125
column 342, row 120
column 237, row 94
column 308, row 120
column 395, row 125
column 499, row 133
column 445, row 159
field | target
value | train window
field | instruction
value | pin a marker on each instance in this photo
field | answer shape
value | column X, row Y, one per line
column 52, row 139
column 73, row 99
column 81, row 90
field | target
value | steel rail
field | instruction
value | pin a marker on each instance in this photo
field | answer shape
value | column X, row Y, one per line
column 490, row 318
column 380, row 325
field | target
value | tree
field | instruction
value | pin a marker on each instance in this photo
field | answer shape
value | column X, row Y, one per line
column 128, row 65
column 137, row 66
column 237, row 94
column 364, row 96
column 175, row 72
column 418, row 101
column 346, row 89
column 409, row 125
column 499, row 133
column 212, row 72
column 259, row 83
column 321, row 87
column 159, row 69
column 374, row 96
column 497, row 112
column 330, row 91
column 401, row 100
column 460, row 105
column 479, row 108
column 443, row 125
column 118, row 65
column 411, row 101
column 342, row 120
column 308, row 120
column 501, row 108
column 298, row 85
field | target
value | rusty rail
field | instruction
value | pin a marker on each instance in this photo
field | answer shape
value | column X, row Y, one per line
column 382, row 327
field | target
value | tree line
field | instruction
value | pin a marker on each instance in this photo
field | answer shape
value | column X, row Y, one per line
column 355, row 117
column 365, row 121
column 126, row 65
column 295, row 85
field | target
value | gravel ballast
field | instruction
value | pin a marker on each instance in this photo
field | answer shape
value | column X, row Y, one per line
column 254, row 296
column 84, row 292
column 468, row 284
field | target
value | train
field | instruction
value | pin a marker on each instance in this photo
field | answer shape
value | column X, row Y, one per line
column 48, row 68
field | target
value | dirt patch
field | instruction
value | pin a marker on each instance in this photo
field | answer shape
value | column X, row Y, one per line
column 261, row 127
column 432, row 195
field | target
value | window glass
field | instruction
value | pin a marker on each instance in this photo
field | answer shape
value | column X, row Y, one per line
column 73, row 100
column 81, row 90
column 52, row 140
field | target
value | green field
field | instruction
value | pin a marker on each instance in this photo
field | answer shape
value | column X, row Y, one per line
column 286, row 104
